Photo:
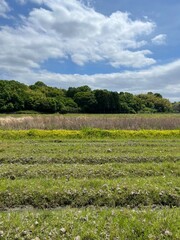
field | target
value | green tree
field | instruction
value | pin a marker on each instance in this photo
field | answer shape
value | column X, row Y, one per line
column 176, row 107
column 86, row 101
column 73, row 90
column 155, row 103
column 12, row 96
column 129, row 103
column 103, row 101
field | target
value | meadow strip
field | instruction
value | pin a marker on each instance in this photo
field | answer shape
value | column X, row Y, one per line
column 78, row 171
column 92, row 224
column 123, row 192
column 87, row 151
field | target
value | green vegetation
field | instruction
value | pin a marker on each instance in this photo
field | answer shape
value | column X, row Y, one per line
column 92, row 224
column 119, row 192
column 79, row 171
column 89, row 184
column 17, row 97
column 87, row 151
column 88, row 134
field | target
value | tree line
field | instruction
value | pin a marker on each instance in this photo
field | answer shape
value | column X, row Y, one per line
column 17, row 97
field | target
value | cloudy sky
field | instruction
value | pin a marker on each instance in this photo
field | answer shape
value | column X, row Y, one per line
column 119, row 45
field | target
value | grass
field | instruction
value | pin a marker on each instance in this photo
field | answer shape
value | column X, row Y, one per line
column 86, row 151
column 79, row 171
column 79, row 121
column 89, row 184
column 91, row 224
column 123, row 192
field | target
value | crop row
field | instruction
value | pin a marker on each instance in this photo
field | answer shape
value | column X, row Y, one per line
column 87, row 160
column 51, row 193
column 84, row 151
column 92, row 224
column 108, row 171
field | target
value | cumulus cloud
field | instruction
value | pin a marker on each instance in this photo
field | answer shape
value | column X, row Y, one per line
column 159, row 39
column 161, row 78
column 4, row 8
column 69, row 29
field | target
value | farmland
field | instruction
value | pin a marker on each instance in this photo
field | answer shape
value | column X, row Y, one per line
column 80, row 121
column 90, row 183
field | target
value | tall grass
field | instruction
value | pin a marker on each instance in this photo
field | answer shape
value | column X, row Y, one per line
column 76, row 122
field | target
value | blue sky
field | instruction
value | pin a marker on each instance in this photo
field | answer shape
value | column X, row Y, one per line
column 127, row 45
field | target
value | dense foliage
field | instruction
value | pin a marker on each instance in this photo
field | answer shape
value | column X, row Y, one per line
column 15, row 97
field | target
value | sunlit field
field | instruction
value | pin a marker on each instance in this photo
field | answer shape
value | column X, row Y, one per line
column 89, row 120
column 89, row 183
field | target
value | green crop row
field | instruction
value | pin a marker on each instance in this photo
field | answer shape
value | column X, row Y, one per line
column 78, row 171
column 91, row 224
column 83, row 151
column 51, row 193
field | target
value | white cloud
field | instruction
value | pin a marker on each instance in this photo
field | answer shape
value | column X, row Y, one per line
column 163, row 79
column 4, row 8
column 159, row 39
column 70, row 29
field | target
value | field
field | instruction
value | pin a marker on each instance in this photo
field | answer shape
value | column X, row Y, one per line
column 86, row 183
column 80, row 121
